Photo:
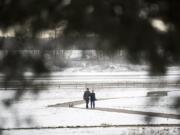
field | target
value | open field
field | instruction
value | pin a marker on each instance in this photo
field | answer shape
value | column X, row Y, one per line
column 120, row 110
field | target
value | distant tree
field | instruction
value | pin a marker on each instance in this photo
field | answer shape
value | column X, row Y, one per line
column 148, row 30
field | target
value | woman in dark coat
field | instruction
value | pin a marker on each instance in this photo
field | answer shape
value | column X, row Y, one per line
column 92, row 98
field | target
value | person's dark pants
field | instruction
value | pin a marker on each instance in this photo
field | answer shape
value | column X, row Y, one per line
column 87, row 102
column 92, row 104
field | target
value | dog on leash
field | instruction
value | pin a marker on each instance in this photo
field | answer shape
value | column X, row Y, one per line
column 71, row 105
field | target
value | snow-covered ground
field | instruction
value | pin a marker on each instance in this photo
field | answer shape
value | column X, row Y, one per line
column 44, row 116
column 99, row 131
column 35, row 112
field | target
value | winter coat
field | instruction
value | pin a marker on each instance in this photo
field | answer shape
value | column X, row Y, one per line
column 92, row 97
column 86, row 95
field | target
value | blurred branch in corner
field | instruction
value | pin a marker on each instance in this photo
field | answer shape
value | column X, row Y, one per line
column 147, row 30
column 20, row 69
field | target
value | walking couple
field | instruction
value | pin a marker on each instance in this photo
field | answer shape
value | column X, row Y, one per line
column 89, row 96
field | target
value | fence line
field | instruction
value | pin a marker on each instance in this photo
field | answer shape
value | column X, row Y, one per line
column 117, row 85
column 113, row 84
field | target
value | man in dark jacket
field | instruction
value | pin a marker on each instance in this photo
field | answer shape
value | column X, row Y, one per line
column 86, row 96
column 92, row 98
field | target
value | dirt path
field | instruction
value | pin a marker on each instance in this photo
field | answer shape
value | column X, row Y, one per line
column 151, row 114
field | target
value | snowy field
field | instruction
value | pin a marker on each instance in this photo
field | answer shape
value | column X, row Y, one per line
column 116, row 107
column 100, row 131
